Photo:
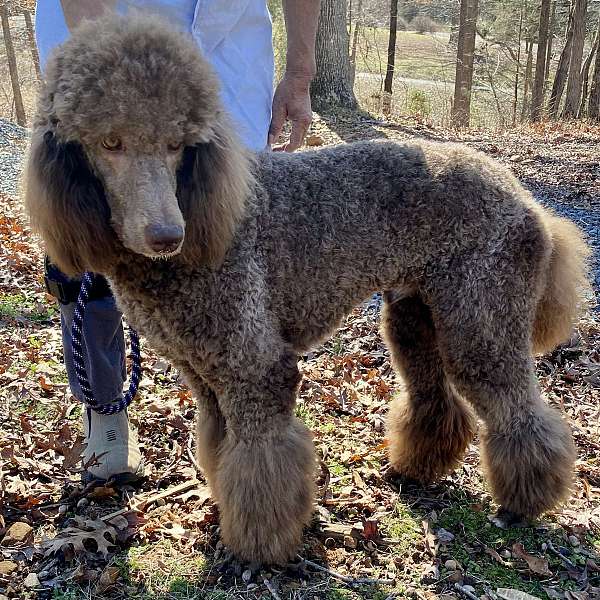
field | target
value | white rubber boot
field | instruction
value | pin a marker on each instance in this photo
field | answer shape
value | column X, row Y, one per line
column 115, row 445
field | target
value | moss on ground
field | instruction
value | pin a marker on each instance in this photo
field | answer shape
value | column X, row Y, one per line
column 14, row 306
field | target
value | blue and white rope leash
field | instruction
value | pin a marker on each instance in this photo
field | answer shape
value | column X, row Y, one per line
column 78, row 360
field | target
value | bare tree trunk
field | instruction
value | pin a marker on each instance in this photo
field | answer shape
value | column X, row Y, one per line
column 551, row 32
column 537, row 94
column 573, row 93
column 528, row 76
column 32, row 45
column 461, row 106
column 12, row 67
column 332, row 85
column 594, row 99
column 563, row 67
column 391, row 57
column 357, row 24
column 585, row 73
column 517, row 70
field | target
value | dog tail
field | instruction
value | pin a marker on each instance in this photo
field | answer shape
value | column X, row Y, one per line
column 567, row 280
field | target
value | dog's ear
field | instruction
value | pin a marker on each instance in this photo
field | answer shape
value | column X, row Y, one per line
column 213, row 183
column 67, row 205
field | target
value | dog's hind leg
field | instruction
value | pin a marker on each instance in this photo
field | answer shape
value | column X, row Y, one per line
column 265, row 478
column 429, row 426
column 484, row 335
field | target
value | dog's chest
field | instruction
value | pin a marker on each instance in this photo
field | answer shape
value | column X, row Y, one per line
column 185, row 315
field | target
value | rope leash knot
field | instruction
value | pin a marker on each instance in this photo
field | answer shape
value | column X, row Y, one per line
column 79, row 362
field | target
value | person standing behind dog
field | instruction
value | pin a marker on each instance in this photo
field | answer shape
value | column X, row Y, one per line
column 236, row 38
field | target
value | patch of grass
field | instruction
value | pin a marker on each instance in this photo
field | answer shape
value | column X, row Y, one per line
column 340, row 594
column 33, row 408
column 337, row 469
column 594, row 540
column 405, row 526
column 178, row 576
column 337, row 345
column 14, row 306
column 474, row 532
column 34, row 341
column 69, row 594
column 327, row 428
column 217, row 595
column 306, row 415
column 419, row 103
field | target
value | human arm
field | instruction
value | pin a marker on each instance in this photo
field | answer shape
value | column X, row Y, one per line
column 292, row 96
column 76, row 11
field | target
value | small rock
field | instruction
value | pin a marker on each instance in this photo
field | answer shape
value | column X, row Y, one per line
column 62, row 509
column 574, row 540
column 83, row 502
column 350, row 542
column 161, row 502
column 444, row 536
column 32, row 581
column 506, row 554
column 18, row 533
column 246, row 575
column 455, row 576
column 7, row 567
column 469, row 588
column 451, row 565
column 161, row 366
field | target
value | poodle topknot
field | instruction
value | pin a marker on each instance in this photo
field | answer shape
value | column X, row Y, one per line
column 133, row 160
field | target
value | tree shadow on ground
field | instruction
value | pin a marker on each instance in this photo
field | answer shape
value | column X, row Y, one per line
column 360, row 125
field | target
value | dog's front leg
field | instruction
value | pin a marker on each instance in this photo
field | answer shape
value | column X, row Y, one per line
column 265, row 478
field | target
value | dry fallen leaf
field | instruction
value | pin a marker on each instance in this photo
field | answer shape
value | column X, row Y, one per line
column 536, row 565
column 86, row 530
column 109, row 577
column 102, row 491
column 371, row 530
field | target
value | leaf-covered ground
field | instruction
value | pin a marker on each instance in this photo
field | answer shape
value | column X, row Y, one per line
column 371, row 536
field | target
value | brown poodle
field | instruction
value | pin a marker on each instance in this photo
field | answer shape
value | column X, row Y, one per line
column 260, row 257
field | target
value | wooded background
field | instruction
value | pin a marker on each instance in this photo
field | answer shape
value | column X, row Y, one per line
column 459, row 62
column 484, row 63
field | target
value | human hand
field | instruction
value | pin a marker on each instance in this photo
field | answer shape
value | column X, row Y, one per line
column 291, row 101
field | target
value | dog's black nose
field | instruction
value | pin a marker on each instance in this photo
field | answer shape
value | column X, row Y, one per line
column 164, row 238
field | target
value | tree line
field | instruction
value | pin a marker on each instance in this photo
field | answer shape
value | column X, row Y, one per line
column 552, row 50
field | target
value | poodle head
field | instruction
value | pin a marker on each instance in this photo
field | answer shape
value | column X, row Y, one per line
column 131, row 145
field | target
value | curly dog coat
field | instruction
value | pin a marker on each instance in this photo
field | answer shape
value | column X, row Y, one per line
column 133, row 159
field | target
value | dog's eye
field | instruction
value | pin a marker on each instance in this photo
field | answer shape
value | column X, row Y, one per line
column 174, row 146
column 112, row 143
